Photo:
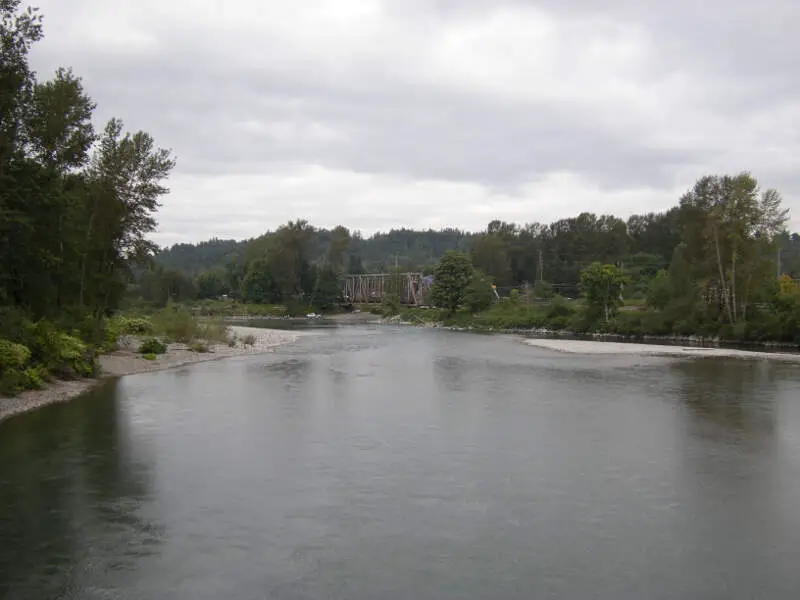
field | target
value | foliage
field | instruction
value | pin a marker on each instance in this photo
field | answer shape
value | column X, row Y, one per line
column 199, row 347
column 134, row 325
column 249, row 340
column 543, row 289
column 559, row 307
column 659, row 291
column 13, row 356
column 176, row 324
column 212, row 284
column 478, row 295
column 390, row 306
column 451, row 278
column 76, row 210
column 149, row 356
column 152, row 346
column 602, row 287
column 259, row 285
column 326, row 288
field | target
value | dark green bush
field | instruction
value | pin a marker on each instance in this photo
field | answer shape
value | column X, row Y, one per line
column 152, row 346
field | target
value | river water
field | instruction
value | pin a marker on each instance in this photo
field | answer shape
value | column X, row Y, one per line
column 389, row 463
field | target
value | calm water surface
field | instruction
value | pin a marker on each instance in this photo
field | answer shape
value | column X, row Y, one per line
column 405, row 464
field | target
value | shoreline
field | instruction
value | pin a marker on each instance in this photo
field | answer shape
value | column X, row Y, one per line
column 605, row 348
column 127, row 361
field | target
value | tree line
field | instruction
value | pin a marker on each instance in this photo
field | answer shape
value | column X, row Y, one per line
column 76, row 205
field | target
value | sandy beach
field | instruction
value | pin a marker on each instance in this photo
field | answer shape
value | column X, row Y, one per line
column 587, row 347
column 127, row 361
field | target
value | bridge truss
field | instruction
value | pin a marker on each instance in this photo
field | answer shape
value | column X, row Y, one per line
column 412, row 288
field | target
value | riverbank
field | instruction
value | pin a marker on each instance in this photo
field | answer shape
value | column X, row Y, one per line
column 589, row 347
column 126, row 361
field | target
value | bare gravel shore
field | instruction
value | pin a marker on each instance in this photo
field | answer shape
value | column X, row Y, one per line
column 603, row 348
column 127, row 361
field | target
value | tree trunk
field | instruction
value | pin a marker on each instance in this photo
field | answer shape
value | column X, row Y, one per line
column 733, row 283
column 725, row 298
column 81, row 296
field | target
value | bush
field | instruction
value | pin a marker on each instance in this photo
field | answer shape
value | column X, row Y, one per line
column 134, row 326
column 199, row 347
column 559, row 307
column 213, row 330
column 33, row 378
column 62, row 354
column 152, row 346
column 249, row 340
column 149, row 356
column 13, row 356
column 12, row 382
column 176, row 325
column 391, row 305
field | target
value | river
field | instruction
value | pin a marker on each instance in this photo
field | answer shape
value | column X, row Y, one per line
column 381, row 463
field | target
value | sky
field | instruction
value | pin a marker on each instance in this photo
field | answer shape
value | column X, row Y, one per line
column 378, row 114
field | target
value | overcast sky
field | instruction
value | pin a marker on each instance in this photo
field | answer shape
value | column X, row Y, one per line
column 438, row 113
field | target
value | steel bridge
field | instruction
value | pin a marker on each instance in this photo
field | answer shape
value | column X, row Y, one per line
column 412, row 288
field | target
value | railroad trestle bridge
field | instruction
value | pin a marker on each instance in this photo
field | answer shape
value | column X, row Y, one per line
column 413, row 289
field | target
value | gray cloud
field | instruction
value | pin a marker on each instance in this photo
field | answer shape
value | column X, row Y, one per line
column 537, row 109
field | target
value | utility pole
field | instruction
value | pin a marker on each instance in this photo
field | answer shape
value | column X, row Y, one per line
column 541, row 266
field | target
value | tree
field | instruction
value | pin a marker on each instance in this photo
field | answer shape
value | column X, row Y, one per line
column 326, row 288
column 450, row 280
column 730, row 228
column 288, row 260
column 124, row 189
column 354, row 265
column 478, row 295
column 602, row 287
column 211, row 284
column 340, row 242
column 259, row 285
column 659, row 291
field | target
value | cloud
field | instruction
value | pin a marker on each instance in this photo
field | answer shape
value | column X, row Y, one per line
column 438, row 112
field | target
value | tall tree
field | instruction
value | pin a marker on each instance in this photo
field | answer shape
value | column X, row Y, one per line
column 340, row 242
column 602, row 286
column 450, row 280
column 729, row 228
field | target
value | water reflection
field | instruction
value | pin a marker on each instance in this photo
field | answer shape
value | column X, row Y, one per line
column 733, row 396
column 70, row 487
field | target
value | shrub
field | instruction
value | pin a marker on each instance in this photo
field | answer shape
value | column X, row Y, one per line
column 152, row 346
column 199, row 347
column 559, row 307
column 62, row 354
column 149, row 356
column 13, row 356
column 12, row 382
column 213, row 330
column 33, row 378
column 249, row 340
column 391, row 305
column 176, row 325
column 134, row 326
